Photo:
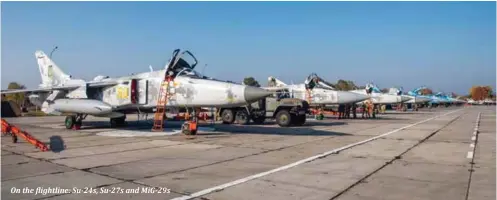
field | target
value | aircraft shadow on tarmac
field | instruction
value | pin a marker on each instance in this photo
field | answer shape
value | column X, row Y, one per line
column 359, row 118
column 267, row 128
column 57, row 144
column 273, row 130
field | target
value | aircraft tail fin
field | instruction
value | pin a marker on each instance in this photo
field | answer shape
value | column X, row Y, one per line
column 395, row 91
column 274, row 82
column 51, row 74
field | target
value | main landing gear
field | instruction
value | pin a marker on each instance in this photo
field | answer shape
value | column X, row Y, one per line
column 74, row 121
column 118, row 122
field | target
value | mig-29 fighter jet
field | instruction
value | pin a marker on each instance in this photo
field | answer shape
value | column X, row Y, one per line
column 115, row 97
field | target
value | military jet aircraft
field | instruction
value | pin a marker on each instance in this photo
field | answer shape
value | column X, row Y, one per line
column 377, row 97
column 413, row 99
column 320, row 92
column 115, row 97
column 434, row 100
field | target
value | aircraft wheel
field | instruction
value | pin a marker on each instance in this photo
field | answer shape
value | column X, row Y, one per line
column 242, row 117
column 283, row 118
column 113, row 122
column 259, row 119
column 228, row 116
column 70, row 120
column 117, row 122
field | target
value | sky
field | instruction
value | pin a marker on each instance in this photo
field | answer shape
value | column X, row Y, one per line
column 447, row 46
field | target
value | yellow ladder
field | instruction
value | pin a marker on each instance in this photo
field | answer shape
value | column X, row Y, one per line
column 161, row 105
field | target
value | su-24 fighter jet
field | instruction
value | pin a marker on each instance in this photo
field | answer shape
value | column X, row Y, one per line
column 377, row 97
column 114, row 97
column 320, row 93
column 412, row 100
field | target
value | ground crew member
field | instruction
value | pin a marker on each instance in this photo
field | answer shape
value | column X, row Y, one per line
column 354, row 111
column 347, row 111
column 364, row 109
column 341, row 109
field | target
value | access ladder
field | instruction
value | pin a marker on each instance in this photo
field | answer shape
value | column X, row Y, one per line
column 161, row 104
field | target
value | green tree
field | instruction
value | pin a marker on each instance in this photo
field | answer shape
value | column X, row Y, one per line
column 17, row 97
column 250, row 81
column 345, row 85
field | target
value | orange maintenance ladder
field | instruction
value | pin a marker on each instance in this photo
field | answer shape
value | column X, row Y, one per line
column 14, row 131
column 161, row 104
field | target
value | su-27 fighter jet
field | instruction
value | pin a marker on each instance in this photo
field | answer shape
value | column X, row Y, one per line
column 437, row 99
column 114, row 97
column 319, row 93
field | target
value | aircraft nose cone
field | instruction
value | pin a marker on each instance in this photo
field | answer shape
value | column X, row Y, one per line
column 350, row 97
column 404, row 98
column 252, row 94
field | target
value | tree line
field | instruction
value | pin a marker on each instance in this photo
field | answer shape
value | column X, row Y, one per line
column 478, row 93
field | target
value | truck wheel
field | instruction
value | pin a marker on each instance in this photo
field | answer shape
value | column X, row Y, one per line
column 283, row 118
column 70, row 121
column 242, row 117
column 259, row 120
column 227, row 116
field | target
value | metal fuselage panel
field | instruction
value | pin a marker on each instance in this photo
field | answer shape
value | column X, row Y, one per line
column 318, row 95
column 378, row 98
column 185, row 92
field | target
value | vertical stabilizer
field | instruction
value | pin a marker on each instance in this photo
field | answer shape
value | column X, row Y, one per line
column 51, row 74
column 273, row 82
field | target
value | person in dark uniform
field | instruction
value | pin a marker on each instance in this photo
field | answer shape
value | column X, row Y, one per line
column 354, row 111
column 347, row 111
column 341, row 109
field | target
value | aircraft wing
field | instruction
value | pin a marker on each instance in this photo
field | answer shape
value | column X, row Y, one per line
column 69, row 87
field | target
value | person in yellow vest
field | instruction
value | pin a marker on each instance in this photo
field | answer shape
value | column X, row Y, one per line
column 370, row 109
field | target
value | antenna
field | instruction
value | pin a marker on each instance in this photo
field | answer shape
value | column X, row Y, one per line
column 55, row 48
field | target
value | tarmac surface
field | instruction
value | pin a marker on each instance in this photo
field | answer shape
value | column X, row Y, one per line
column 433, row 154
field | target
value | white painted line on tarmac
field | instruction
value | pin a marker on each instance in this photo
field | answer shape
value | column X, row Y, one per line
column 473, row 138
column 242, row 180
column 472, row 145
column 470, row 155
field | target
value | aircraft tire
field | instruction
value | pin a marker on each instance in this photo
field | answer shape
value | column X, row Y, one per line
column 228, row 116
column 283, row 118
column 69, row 122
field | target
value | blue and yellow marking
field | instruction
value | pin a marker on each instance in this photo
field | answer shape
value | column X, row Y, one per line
column 122, row 92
